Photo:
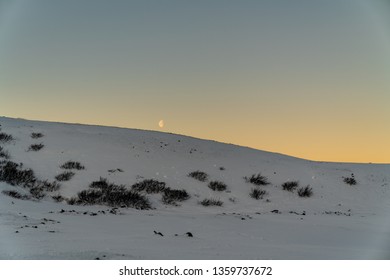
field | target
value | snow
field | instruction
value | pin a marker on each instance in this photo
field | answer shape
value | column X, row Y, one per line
column 339, row 222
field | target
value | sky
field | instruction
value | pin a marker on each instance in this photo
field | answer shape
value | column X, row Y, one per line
column 306, row 78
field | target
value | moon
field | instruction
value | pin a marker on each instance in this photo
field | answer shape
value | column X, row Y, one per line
column 161, row 123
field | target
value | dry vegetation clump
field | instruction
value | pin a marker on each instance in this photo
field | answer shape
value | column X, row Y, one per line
column 257, row 193
column 36, row 135
column 16, row 195
column 149, row 186
column 211, row 202
column 172, row 196
column 305, row 192
column 65, row 176
column 36, row 147
column 217, row 186
column 290, row 186
column 257, row 179
column 72, row 165
column 5, row 138
column 350, row 181
column 199, row 175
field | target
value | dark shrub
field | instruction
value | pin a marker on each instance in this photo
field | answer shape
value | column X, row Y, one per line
column 16, row 195
column 13, row 174
column 72, row 165
column 217, row 186
column 128, row 199
column 257, row 179
column 39, row 189
column 35, row 147
column 211, row 202
column 290, row 186
column 199, row 175
column 48, row 186
column 37, row 192
column 4, row 154
column 5, row 138
column 257, row 193
column 65, row 176
column 90, row 197
column 102, row 183
column 36, row 135
column 305, row 192
column 171, row 196
column 149, row 186
column 114, row 196
column 350, row 181
column 72, row 200
column 58, row 198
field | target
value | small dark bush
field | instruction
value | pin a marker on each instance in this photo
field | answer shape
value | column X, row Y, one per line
column 48, row 186
column 16, row 195
column 257, row 179
column 305, row 192
column 13, row 174
column 102, row 183
column 36, row 135
column 39, row 189
column 36, row 147
column 115, row 196
column 72, row 165
column 128, row 199
column 58, row 198
column 211, row 202
column 149, row 186
column 217, row 186
column 37, row 192
column 72, row 200
column 65, row 176
column 199, row 175
column 4, row 154
column 90, row 197
column 5, row 138
column 350, row 181
column 257, row 193
column 171, row 196
column 290, row 186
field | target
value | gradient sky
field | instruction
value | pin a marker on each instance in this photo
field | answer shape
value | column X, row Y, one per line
column 305, row 78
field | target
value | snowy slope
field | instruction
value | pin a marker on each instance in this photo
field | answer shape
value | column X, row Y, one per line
column 340, row 221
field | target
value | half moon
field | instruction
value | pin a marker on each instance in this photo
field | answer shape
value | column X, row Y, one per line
column 161, row 123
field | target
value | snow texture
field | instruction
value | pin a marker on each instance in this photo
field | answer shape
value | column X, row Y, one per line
column 339, row 221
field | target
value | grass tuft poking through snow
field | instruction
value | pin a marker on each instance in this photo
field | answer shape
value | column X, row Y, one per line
column 217, row 186
column 5, row 138
column 149, row 186
column 65, row 176
column 16, row 195
column 290, row 186
column 350, row 181
column 305, row 192
column 257, row 193
column 211, row 202
column 114, row 196
column 35, row 147
column 257, row 179
column 72, row 165
column 199, row 175
column 36, row 135
column 172, row 196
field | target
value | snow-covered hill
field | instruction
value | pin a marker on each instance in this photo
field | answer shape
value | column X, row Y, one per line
column 339, row 220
